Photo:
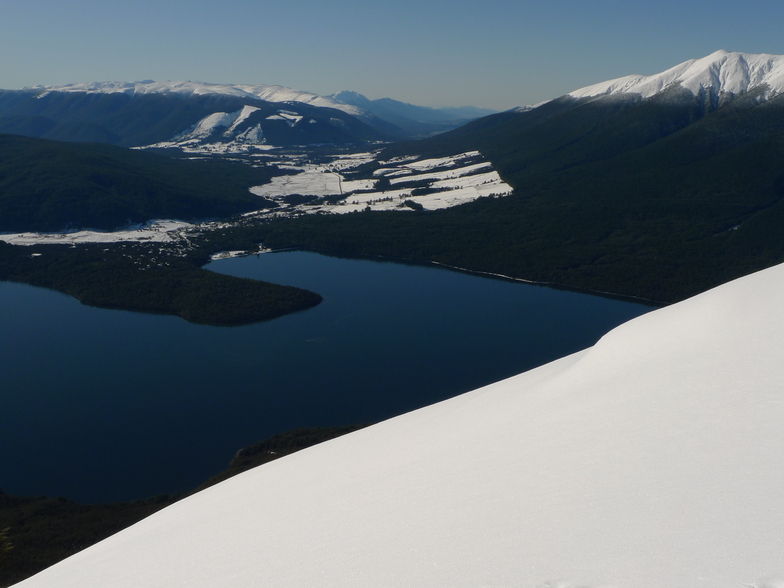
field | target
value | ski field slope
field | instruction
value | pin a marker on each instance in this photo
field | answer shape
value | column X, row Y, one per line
column 654, row 459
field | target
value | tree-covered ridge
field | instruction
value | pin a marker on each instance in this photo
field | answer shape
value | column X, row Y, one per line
column 51, row 186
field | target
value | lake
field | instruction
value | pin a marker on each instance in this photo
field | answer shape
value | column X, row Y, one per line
column 105, row 405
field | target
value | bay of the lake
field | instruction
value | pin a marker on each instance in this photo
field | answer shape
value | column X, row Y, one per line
column 104, row 405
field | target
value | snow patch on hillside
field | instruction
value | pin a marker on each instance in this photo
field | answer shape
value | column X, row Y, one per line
column 452, row 161
column 206, row 126
column 206, row 135
column 290, row 118
column 405, row 174
column 242, row 116
column 653, row 459
column 311, row 181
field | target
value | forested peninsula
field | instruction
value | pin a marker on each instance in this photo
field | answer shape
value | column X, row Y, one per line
column 123, row 276
column 50, row 186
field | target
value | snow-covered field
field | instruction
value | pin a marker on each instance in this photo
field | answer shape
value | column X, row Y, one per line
column 459, row 179
column 311, row 180
column 653, row 459
column 161, row 231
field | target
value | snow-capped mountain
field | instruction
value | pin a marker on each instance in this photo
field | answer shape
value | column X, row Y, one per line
column 654, row 458
column 721, row 72
column 661, row 183
column 268, row 93
column 72, row 112
column 401, row 118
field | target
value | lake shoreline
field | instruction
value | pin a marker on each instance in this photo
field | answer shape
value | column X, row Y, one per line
column 478, row 273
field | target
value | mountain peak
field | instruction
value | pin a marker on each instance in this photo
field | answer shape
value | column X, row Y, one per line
column 353, row 98
column 719, row 72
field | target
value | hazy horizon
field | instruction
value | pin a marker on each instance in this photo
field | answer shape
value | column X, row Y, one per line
column 498, row 54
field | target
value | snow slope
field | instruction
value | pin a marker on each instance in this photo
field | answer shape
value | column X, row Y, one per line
column 722, row 71
column 653, row 459
column 207, row 126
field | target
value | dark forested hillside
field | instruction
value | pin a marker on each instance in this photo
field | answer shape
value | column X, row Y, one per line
column 116, row 118
column 50, row 186
column 125, row 276
column 658, row 198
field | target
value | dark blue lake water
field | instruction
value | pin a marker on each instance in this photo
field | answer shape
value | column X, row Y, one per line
column 105, row 405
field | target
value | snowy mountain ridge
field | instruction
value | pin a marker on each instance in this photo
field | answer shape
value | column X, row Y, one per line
column 652, row 459
column 412, row 120
column 719, row 72
column 139, row 114
column 269, row 93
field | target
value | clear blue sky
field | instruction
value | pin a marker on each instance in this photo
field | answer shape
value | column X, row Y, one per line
column 492, row 53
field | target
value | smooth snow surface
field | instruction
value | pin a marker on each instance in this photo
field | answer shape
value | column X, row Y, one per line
column 654, row 459
column 724, row 72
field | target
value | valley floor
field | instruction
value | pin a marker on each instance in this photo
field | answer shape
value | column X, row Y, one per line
column 340, row 184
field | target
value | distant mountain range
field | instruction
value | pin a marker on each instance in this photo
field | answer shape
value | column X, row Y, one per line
column 191, row 113
column 415, row 120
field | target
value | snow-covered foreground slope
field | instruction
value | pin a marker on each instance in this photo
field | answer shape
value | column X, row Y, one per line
column 654, row 459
